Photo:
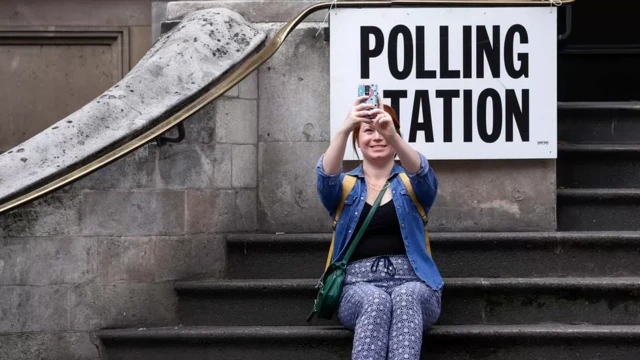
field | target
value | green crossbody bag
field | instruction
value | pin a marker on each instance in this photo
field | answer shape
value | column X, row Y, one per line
column 332, row 281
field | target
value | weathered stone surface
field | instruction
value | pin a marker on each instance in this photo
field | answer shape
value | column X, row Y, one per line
column 249, row 86
column 133, row 213
column 34, row 308
column 47, row 261
column 206, row 45
column 189, row 258
column 254, row 11
column 133, row 171
column 236, row 121
column 299, row 109
column 199, row 127
column 211, row 211
column 287, row 198
column 233, row 92
column 122, row 305
column 180, row 166
column 50, row 346
column 495, row 196
column 56, row 214
column 245, row 163
column 126, row 259
column 246, row 210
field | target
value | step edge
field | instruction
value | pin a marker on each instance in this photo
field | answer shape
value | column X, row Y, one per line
column 599, row 105
column 598, row 148
column 222, row 333
column 453, row 284
column 554, row 236
column 598, row 193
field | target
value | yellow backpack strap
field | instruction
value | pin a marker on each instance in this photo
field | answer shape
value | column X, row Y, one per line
column 348, row 182
column 423, row 214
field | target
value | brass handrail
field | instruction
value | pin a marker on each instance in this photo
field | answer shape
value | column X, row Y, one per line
column 234, row 78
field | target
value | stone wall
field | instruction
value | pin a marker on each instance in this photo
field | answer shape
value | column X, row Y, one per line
column 104, row 251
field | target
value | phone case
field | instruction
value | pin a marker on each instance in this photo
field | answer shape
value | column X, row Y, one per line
column 371, row 90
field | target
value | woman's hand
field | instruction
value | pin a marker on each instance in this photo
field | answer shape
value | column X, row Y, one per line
column 383, row 123
column 358, row 114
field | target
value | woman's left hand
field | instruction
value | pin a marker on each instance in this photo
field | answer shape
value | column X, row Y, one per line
column 382, row 122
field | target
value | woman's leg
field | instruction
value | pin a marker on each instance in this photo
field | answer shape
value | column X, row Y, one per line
column 415, row 308
column 367, row 310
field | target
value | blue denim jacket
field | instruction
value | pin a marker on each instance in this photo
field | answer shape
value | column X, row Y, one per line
column 425, row 185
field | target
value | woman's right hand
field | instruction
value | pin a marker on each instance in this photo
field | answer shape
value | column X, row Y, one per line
column 358, row 114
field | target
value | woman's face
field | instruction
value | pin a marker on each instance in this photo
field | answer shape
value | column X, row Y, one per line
column 373, row 145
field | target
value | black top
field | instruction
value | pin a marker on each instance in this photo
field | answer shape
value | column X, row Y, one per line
column 382, row 236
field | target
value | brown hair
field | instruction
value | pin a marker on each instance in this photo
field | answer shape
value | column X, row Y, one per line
column 356, row 130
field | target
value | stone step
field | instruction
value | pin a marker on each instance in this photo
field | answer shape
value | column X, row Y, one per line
column 604, row 301
column 598, row 166
column 462, row 342
column 598, row 209
column 518, row 254
column 599, row 122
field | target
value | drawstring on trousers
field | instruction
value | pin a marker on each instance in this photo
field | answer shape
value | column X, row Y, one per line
column 387, row 264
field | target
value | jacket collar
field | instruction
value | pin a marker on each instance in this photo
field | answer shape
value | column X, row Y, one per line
column 359, row 173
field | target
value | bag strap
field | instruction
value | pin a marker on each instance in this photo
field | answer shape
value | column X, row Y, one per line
column 348, row 182
column 423, row 214
column 367, row 220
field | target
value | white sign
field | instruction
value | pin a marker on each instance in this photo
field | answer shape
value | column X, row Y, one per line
column 467, row 82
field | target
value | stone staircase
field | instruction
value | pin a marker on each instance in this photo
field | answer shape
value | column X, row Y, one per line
column 572, row 294
column 599, row 167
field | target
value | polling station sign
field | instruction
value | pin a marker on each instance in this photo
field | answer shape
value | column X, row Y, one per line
column 467, row 82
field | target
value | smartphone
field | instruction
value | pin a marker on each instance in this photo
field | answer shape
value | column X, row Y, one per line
column 372, row 91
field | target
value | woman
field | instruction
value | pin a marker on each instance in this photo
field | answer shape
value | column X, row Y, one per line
column 392, row 286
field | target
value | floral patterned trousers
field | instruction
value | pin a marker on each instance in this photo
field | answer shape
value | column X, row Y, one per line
column 388, row 307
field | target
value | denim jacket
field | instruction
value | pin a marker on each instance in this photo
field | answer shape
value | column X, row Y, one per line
column 425, row 185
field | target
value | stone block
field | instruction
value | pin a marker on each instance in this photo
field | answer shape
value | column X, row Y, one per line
column 125, row 259
column 47, row 261
column 133, row 171
column 254, row 11
column 34, row 308
column 495, row 196
column 287, row 199
column 211, row 211
column 233, row 92
column 245, row 166
column 199, row 127
column 52, row 215
column 294, row 90
column 236, row 121
column 189, row 258
column 158, row 15
column 181, row 166
column 133, row 213
column 249, row 86
column 246, row 210
column 52, row 345
column 122, row 305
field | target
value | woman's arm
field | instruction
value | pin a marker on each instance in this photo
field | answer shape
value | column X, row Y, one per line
column 423, row 178
column 332, row 160
column 329, row 167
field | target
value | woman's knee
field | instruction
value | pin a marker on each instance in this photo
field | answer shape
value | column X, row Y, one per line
column 408, row 293
column 378, row 301
column 363, row 299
